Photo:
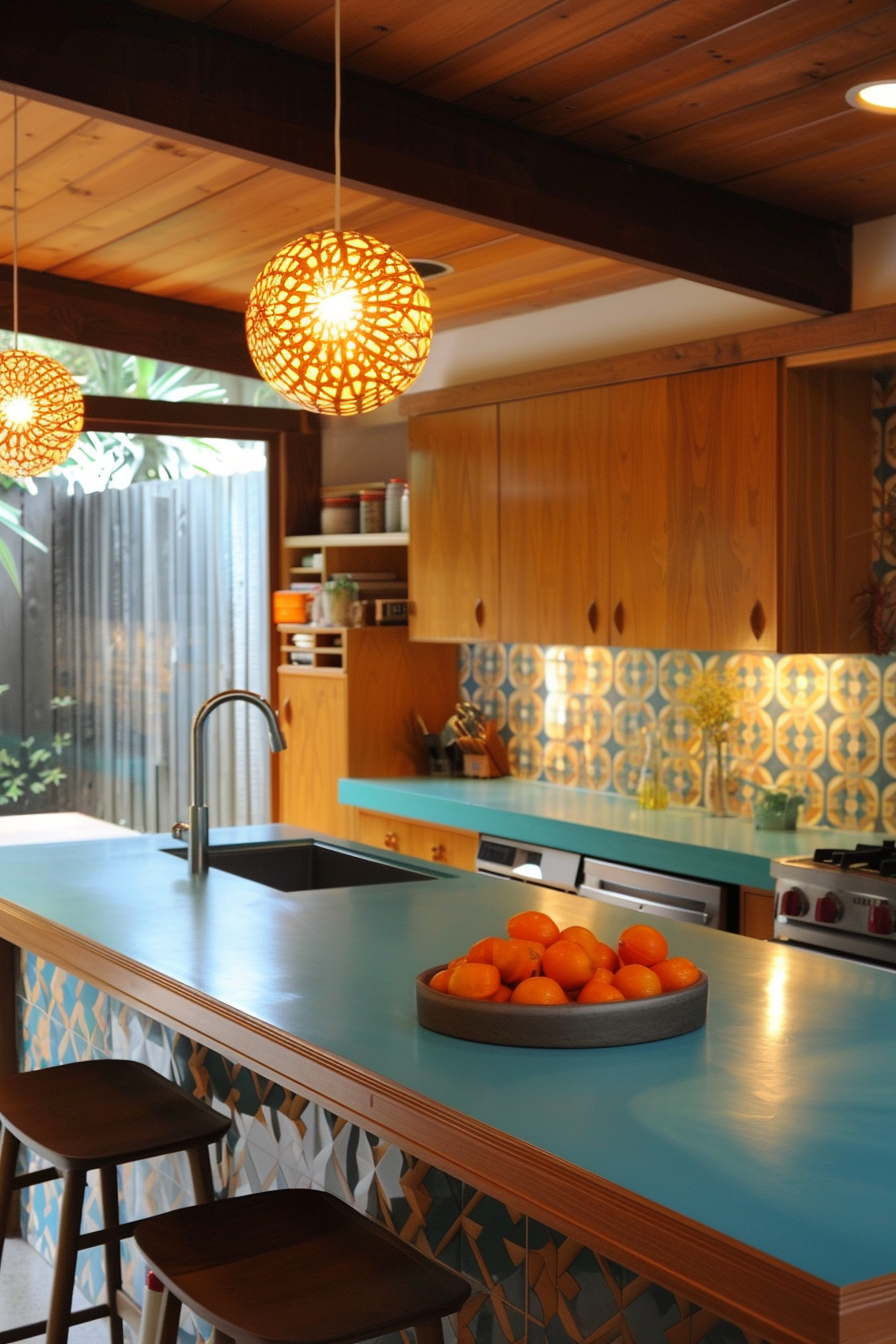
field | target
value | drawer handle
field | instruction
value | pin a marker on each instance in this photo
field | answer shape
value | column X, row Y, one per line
column 390, row 840
column 479, row 612
column 438, row 853
column 619, row 617
column 592, row 617
column 757, row 620
column 287, row 710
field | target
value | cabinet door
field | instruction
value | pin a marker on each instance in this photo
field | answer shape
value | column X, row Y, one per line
column 453, row 551
column 440, row 844
column 373, row 828
column 635, row 427
column 313, row 713
column 554, row 538
column 757, row 913
column 722, row 506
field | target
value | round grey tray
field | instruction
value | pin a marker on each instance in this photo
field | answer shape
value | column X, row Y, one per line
column 562, row 1026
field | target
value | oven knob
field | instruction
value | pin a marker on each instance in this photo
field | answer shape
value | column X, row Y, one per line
column 793, row 902
column 828, row 909
column 880, row 919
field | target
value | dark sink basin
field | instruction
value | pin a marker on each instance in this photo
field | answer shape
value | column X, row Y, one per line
column 304, row 865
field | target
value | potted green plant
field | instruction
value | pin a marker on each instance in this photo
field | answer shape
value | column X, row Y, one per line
column 776, row 809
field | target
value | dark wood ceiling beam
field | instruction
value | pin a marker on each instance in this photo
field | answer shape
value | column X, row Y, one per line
column 135, row 324
column 179, row 78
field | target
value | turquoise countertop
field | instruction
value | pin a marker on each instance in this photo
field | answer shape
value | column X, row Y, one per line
column 604, row 825
column 774, row 1124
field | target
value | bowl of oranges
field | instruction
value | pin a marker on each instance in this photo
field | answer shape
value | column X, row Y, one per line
column 563, row 988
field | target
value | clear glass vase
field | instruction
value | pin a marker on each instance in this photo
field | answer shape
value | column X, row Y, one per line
column 718, row 784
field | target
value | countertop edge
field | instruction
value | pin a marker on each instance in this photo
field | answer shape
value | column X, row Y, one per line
column 779, row 1302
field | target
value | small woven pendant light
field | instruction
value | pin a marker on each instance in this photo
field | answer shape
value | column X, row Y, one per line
column 336, row 320
column 41, row 407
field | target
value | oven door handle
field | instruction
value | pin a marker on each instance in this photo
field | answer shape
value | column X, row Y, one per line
column 645, row 904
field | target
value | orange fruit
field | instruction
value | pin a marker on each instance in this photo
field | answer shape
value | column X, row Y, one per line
column 501, row 994
column 568, row 963
column 603, row 975
column 598, row 991
column 640, row 945
column 676, row 973
column 534, row 926
column 483, row 950
column 473, row 980
column 541, row 989
column 458, row 961
column 440, row 980
column 599, row 952
column 637, row 982
column 516, row 960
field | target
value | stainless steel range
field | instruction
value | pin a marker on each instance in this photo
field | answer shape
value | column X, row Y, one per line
column 840, row 901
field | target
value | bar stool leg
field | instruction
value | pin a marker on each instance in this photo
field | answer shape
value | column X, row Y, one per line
column 169, row 1318
column 70, row 1211
column 9, row 1153
column 429, row 1331
column 201, row 1172
column 112, row 1249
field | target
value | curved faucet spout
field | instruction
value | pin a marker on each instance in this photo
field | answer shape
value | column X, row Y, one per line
column 197, row 839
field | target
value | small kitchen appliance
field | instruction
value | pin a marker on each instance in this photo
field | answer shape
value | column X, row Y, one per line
column 839, row 901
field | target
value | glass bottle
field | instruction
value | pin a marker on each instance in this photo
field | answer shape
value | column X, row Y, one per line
column 652, row 792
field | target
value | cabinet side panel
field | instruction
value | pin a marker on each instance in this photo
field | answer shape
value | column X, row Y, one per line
column 453, row 552
column 554, row 508
column 313, row 715
column 723, row 495
column 826, row 525
column 390, row 683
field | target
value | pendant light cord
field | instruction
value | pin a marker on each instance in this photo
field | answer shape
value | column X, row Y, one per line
column 337, row 124
column 15, row 219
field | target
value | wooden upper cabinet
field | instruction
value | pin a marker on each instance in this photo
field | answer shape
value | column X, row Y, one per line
column 453, row 557
column 553, row 519
column 723, row 445
column 637, row 429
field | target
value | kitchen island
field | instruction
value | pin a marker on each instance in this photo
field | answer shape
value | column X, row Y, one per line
column 748, row 1167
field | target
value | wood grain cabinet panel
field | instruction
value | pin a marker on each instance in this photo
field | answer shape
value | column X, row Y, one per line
column 723, row 446
column 419, row 840
column 314, row 717
column 382, row 832
column 453, row 557
column 757, row 912
column 553, row 519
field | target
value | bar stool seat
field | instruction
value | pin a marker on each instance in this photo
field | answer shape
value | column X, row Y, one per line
column 89, row 1116
column 294, row 1265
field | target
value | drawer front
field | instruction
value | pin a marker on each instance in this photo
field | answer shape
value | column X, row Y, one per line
column 384, row 832
column 436, row 844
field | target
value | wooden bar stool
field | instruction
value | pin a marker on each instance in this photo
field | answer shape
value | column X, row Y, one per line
column 93, row 1116
column 295, row 1266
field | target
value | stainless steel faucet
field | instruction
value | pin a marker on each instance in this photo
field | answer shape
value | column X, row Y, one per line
column 197, row 830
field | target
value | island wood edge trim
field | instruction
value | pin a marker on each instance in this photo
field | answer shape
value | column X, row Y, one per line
column 782, row 1304
column 822, row 334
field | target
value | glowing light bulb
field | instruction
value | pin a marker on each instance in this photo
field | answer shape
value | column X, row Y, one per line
column 339, row 307
column 18, row 411
column 880, row 97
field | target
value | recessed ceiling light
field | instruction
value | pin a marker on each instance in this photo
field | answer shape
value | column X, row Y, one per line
column 876, row 97
column 430, row 270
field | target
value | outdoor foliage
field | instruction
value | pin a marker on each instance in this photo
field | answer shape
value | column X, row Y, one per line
column 31, row 769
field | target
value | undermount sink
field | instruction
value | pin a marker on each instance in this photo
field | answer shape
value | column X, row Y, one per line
column 304, row 865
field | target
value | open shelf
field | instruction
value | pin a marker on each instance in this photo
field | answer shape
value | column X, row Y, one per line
column 324, row 645
column 346, row 539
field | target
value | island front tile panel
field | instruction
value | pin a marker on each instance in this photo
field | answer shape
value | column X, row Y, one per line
column 531, row 1285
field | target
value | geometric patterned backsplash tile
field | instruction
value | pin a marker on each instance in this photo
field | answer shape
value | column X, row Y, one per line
column 573, row 716
column 826, row 725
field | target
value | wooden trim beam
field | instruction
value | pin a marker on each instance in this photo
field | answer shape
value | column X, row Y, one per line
column 135, row 324
column 135, row 415
column 166, row 74
column 814, row 342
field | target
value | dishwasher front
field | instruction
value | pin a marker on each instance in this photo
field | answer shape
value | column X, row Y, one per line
column 653, row 894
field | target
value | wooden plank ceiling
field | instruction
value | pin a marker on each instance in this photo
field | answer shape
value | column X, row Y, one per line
column 107, row 203
column 743, row 94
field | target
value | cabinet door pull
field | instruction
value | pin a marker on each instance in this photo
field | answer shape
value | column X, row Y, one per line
column 438, row 853
column 287, row 710
column 619, row 617
column 757, row 619
column 390, row 840
column 479, row 612
column 592, row 617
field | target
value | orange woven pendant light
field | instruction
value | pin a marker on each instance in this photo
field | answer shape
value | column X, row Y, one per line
column 41, row 407
column 337, row 320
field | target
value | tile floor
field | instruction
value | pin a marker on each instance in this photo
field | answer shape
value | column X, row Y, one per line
column 25, row 1281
